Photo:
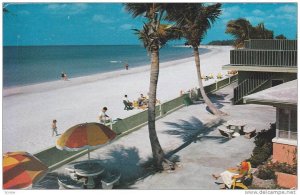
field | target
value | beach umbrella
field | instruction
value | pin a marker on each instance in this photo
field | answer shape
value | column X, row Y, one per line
column 85, row 136
column 21, row 170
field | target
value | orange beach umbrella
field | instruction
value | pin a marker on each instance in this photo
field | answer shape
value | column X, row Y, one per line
column 85, row 136
column 21, row 170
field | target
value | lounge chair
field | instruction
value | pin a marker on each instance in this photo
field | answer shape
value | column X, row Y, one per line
column 243, row 182
column 110, row 179
column 127, row 105
column 219, row 76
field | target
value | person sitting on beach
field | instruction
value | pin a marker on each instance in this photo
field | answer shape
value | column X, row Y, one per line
column 103, row 117
column 126, row 100
column 54, row 128
column 142, row 100
column 232, row 173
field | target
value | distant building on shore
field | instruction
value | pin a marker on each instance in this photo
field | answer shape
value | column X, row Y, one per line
column 263, row 63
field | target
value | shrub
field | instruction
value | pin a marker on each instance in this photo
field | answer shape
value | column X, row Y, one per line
column 265, row 173
column 263, row 146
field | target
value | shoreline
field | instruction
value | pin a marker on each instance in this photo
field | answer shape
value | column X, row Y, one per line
column 55, row 84
column 28, row 111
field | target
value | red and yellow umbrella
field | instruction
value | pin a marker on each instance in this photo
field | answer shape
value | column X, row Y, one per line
column 21, row 170
column 85, row 136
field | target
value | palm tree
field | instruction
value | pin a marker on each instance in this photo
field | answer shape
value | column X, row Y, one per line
column 241, row 29
column 281, row 36
column 153, row 35
column 262, row 33
column 194, row 19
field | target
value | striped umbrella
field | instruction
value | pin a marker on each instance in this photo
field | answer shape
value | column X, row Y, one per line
column 85, row 136
column 21, row 170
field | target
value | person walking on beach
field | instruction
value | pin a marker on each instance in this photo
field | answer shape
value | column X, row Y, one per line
column 103, row 117
column 64, row 76
column 126, row 66
column 54, row 128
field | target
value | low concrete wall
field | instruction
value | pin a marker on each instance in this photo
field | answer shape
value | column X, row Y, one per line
column 284, row 153
column 286, row 180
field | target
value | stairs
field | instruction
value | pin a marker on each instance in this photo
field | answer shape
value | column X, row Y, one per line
column 250, row 85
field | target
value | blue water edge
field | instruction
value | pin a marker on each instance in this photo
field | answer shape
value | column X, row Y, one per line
column 25, row 65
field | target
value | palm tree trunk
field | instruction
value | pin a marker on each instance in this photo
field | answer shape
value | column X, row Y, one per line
column 157, row 152
column 210, row 105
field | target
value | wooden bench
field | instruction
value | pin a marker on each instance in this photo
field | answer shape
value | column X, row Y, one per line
column 225, row 131
column 249, row 132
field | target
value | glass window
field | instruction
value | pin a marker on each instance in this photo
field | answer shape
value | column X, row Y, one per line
column 283, row 123
column 293, row 120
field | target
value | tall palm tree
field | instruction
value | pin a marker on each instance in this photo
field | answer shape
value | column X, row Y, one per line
column 262, row 33
column 241, row 29
column 194, row 19
column 153, row 35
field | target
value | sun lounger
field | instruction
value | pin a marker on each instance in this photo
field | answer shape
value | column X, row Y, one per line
column 225, row 131
column 110, row 179
column 128, row 106
column 245, row 181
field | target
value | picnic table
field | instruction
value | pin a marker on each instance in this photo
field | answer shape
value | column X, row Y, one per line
column 236, row 125
column 89, row 170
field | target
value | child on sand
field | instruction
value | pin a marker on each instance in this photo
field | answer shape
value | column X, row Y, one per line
column 54, row 128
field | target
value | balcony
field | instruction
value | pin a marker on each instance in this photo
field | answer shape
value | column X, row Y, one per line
column 271, row 44
column 270, row 58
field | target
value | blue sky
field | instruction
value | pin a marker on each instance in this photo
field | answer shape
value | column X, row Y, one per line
column 110, row 24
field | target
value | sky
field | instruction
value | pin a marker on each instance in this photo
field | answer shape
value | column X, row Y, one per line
column 110, row 24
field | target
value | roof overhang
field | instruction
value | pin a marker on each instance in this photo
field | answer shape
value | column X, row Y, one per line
column 260, row 68
column 285, row 95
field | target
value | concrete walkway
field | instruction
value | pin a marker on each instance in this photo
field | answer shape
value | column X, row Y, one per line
column 190, row 134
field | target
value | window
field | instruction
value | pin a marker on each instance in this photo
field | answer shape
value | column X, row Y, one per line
column 287, row 123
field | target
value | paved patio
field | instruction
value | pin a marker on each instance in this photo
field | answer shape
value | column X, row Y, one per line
column 190, row 134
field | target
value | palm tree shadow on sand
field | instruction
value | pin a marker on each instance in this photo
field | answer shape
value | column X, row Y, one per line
column 218, row 100
column 194, row 130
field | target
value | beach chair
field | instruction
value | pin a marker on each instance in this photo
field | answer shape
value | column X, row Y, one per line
column 219, row 76
column 127, row 105
column 245, row 181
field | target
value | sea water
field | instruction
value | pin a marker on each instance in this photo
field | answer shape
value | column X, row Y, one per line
column 24, row 65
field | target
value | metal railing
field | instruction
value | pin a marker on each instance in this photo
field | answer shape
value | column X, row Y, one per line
column 273, row 58
column 249, row 85
column 271, row 44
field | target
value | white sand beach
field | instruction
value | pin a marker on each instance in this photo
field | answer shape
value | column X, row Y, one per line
column 28, row 111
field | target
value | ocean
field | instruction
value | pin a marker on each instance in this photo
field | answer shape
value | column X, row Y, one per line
column 25, row 65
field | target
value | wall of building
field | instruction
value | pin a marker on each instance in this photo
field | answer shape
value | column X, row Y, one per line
column 284, row 153
column 243, row 75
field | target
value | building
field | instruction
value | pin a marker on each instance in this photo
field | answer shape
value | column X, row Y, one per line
column 263, row 64
column 284, row 97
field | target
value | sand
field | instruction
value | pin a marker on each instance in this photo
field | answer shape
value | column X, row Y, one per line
column 28, row 111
